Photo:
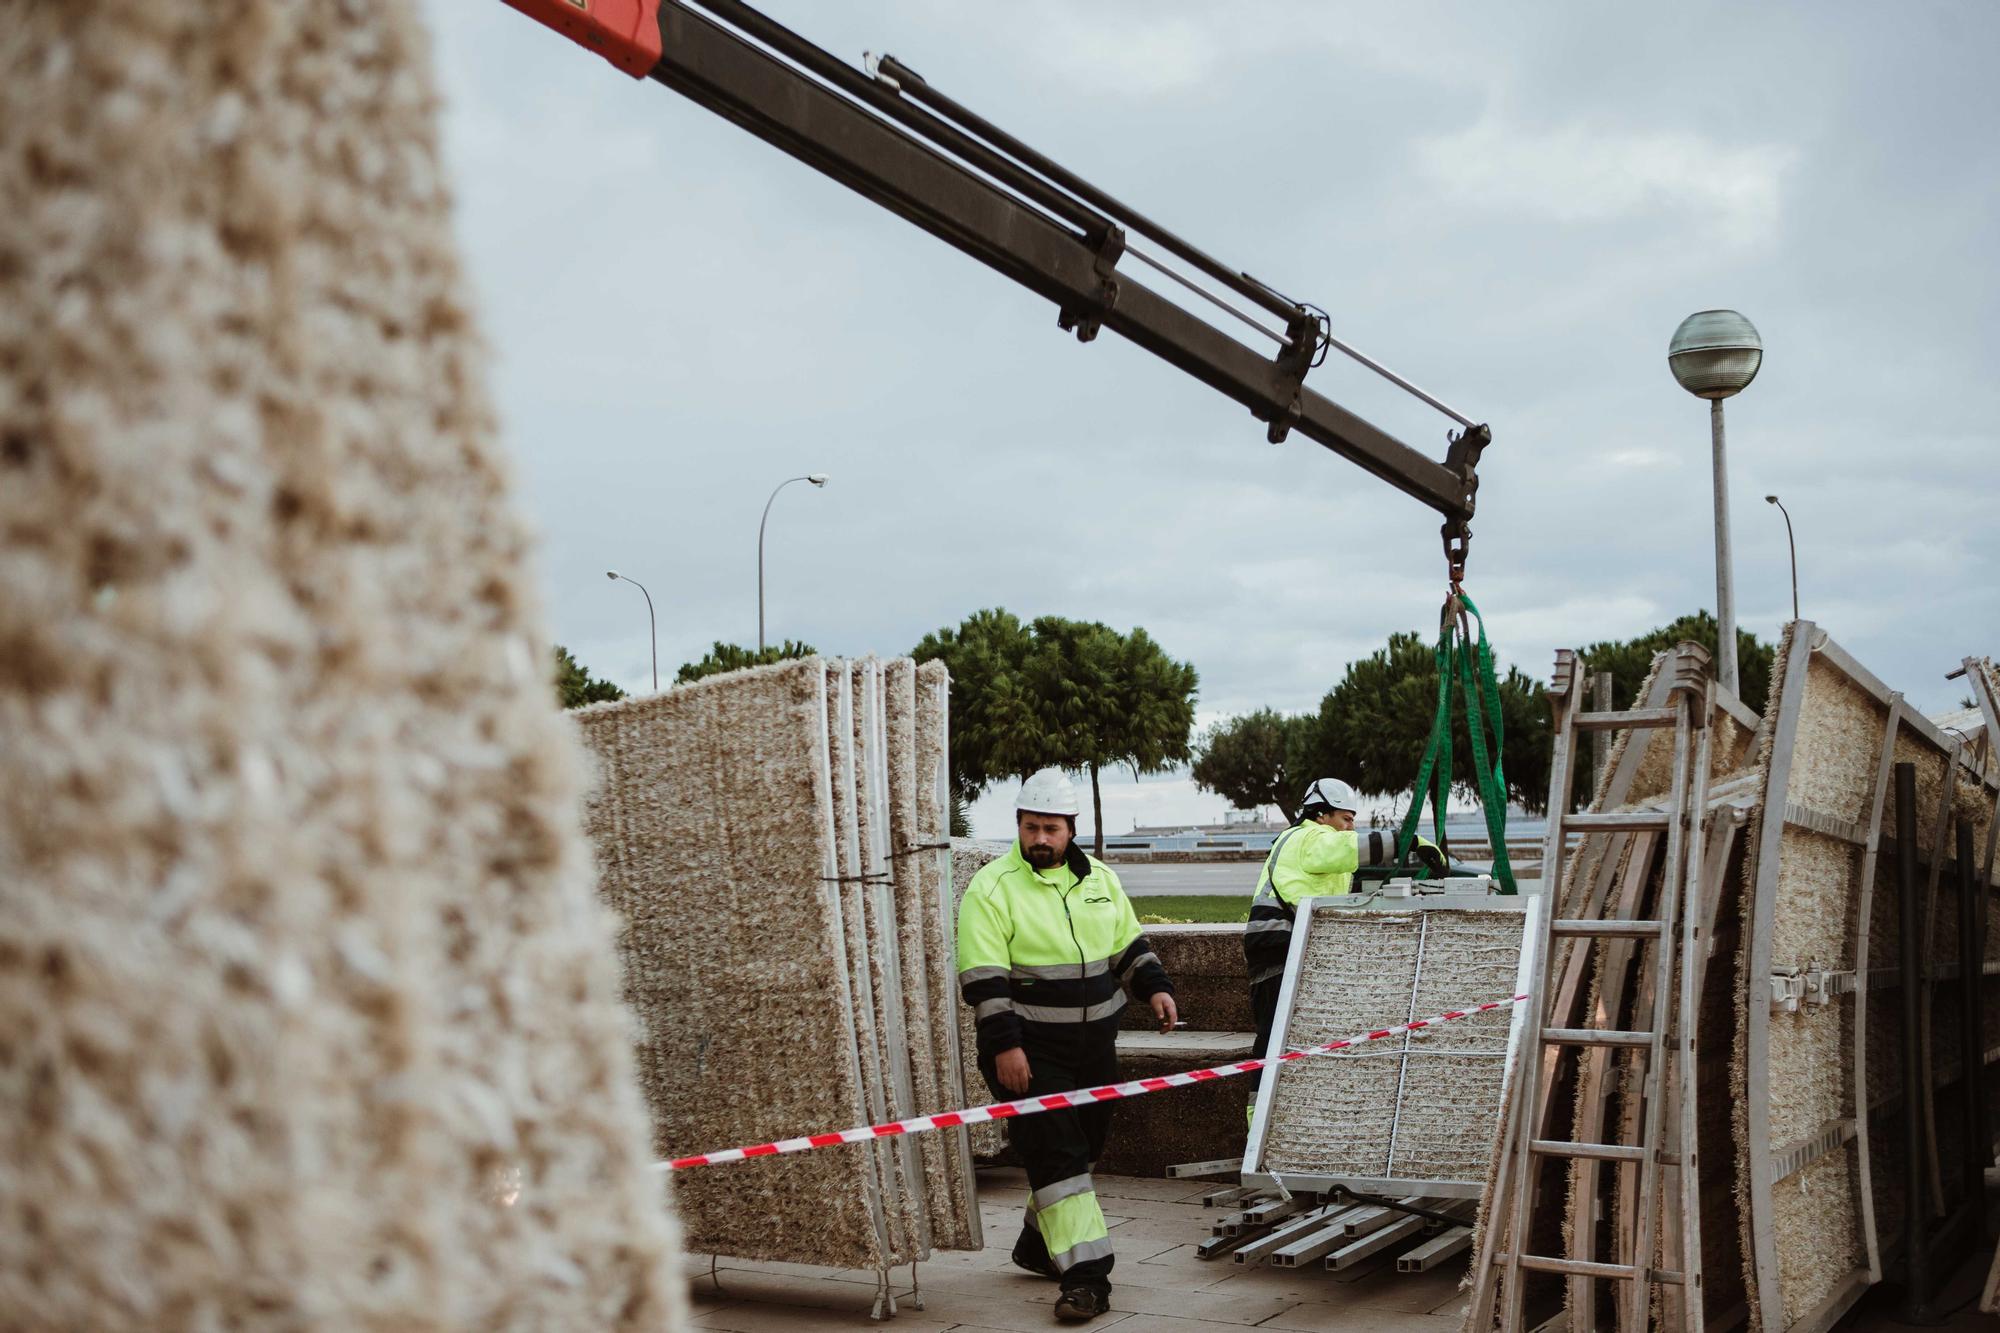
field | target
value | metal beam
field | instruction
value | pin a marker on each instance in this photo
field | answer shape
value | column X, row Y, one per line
column 838, row 136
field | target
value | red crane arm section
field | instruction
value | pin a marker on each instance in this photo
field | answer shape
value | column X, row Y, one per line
column 624, row 32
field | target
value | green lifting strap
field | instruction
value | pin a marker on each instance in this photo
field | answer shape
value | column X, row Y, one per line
column 1469, row 667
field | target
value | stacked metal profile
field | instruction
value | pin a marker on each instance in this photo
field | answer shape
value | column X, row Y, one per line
column 772, row 839
column 1382, row 1149
column 1793, row 1119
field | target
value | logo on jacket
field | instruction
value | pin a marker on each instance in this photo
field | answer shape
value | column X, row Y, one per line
column 1097, row 900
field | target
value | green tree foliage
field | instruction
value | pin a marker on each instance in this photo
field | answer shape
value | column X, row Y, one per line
column 1071, row 694
column 1107, row 698
column 1373, row 727
column 732, row 657
column 1630, row 660
column 1259, row 759
column 992, row 718
column 575, row 686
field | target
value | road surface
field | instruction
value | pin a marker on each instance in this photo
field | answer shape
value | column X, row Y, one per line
column 1146, row 880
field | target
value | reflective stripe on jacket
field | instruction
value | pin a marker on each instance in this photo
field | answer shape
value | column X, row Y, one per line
column 1309, row 860
column 1050, row 957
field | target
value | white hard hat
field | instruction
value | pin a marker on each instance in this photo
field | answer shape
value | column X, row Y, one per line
column 1334, row 793
column 1048, row 793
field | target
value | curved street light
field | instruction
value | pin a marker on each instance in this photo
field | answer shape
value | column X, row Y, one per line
column 651, row 625
column 1714, row 355
column 1793, row 546
column 817, row 479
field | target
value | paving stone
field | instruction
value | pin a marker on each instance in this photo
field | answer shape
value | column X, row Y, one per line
column 1358, row 1319
column 758, row 1317
column 1157, row 1209
column 1157, row 1284
column 1191, row 1230
column 1415, row 1292
column 1176, row 1255
column 1102, row 1321
column 1137, row 1250
column 1194, row 1305
column 1030, row 1311
column 1163, row 1191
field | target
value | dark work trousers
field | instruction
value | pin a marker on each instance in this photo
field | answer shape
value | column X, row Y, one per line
column 1058, row 1146
column 1264, row 1012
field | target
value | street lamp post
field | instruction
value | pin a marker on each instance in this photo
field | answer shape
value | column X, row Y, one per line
column 1792, row 546
column 817, row 479
column 652, row 626
column 1714, row 355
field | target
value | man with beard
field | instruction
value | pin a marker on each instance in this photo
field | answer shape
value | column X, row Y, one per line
column 1049, row 949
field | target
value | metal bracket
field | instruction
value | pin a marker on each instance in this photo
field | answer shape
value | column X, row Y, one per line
column 1086, row 323
column 1563, row 679
column 1291, row 365
column 1813, row 986
column 1786, row 992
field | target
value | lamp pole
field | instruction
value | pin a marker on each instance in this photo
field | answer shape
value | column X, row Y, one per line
column 1793, row 547
column 817, row 479
column 1715, row 354
column 1725, row 567
column 652, row 626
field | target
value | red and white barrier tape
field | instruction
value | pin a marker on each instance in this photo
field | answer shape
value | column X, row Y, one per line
column 1056, row 1101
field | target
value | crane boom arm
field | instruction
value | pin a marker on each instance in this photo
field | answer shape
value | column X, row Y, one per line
column 983, row 192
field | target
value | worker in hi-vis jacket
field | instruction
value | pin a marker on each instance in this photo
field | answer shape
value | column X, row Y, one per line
column 1315, row 858
column 1049, row 949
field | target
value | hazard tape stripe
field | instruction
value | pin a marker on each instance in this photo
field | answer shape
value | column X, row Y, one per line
column 1056, row 1101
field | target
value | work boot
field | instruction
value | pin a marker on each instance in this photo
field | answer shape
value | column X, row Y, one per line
column 1078, row 1304
column 1031, row 1253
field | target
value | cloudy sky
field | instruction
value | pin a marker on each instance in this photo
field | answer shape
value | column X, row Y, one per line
column 1511, row 205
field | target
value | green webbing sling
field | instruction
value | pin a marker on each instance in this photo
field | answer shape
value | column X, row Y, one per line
column 1470, row 668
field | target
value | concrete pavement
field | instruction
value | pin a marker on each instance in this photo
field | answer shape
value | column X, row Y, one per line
column 1158, row 1283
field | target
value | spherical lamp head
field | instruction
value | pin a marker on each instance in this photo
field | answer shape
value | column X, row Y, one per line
column 1715, row 353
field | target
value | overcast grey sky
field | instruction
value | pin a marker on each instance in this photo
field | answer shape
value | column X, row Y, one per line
column 1512, row 205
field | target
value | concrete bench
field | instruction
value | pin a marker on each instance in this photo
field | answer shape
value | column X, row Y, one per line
column 1195, row 1124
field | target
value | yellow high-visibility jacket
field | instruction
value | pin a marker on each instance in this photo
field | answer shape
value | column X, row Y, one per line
column 1050, row 958
column 1309, row 860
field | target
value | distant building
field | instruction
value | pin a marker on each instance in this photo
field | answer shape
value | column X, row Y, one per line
column 1239, row 831
column 1255, row 831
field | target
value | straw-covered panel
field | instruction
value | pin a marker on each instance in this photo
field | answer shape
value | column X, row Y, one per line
column 899, row 693
column 713, row 814
column 902, row 1200
column 1811, row 920
column 1426, row 1106
column 940, row 965
column 1819, row 1235
column 844, row 765
column 311, row 1018
column 1450, row 1099
column 1332, row 1113
column 1744, row 1082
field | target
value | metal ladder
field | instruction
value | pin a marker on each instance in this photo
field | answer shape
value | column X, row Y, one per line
column 1546, row 1050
